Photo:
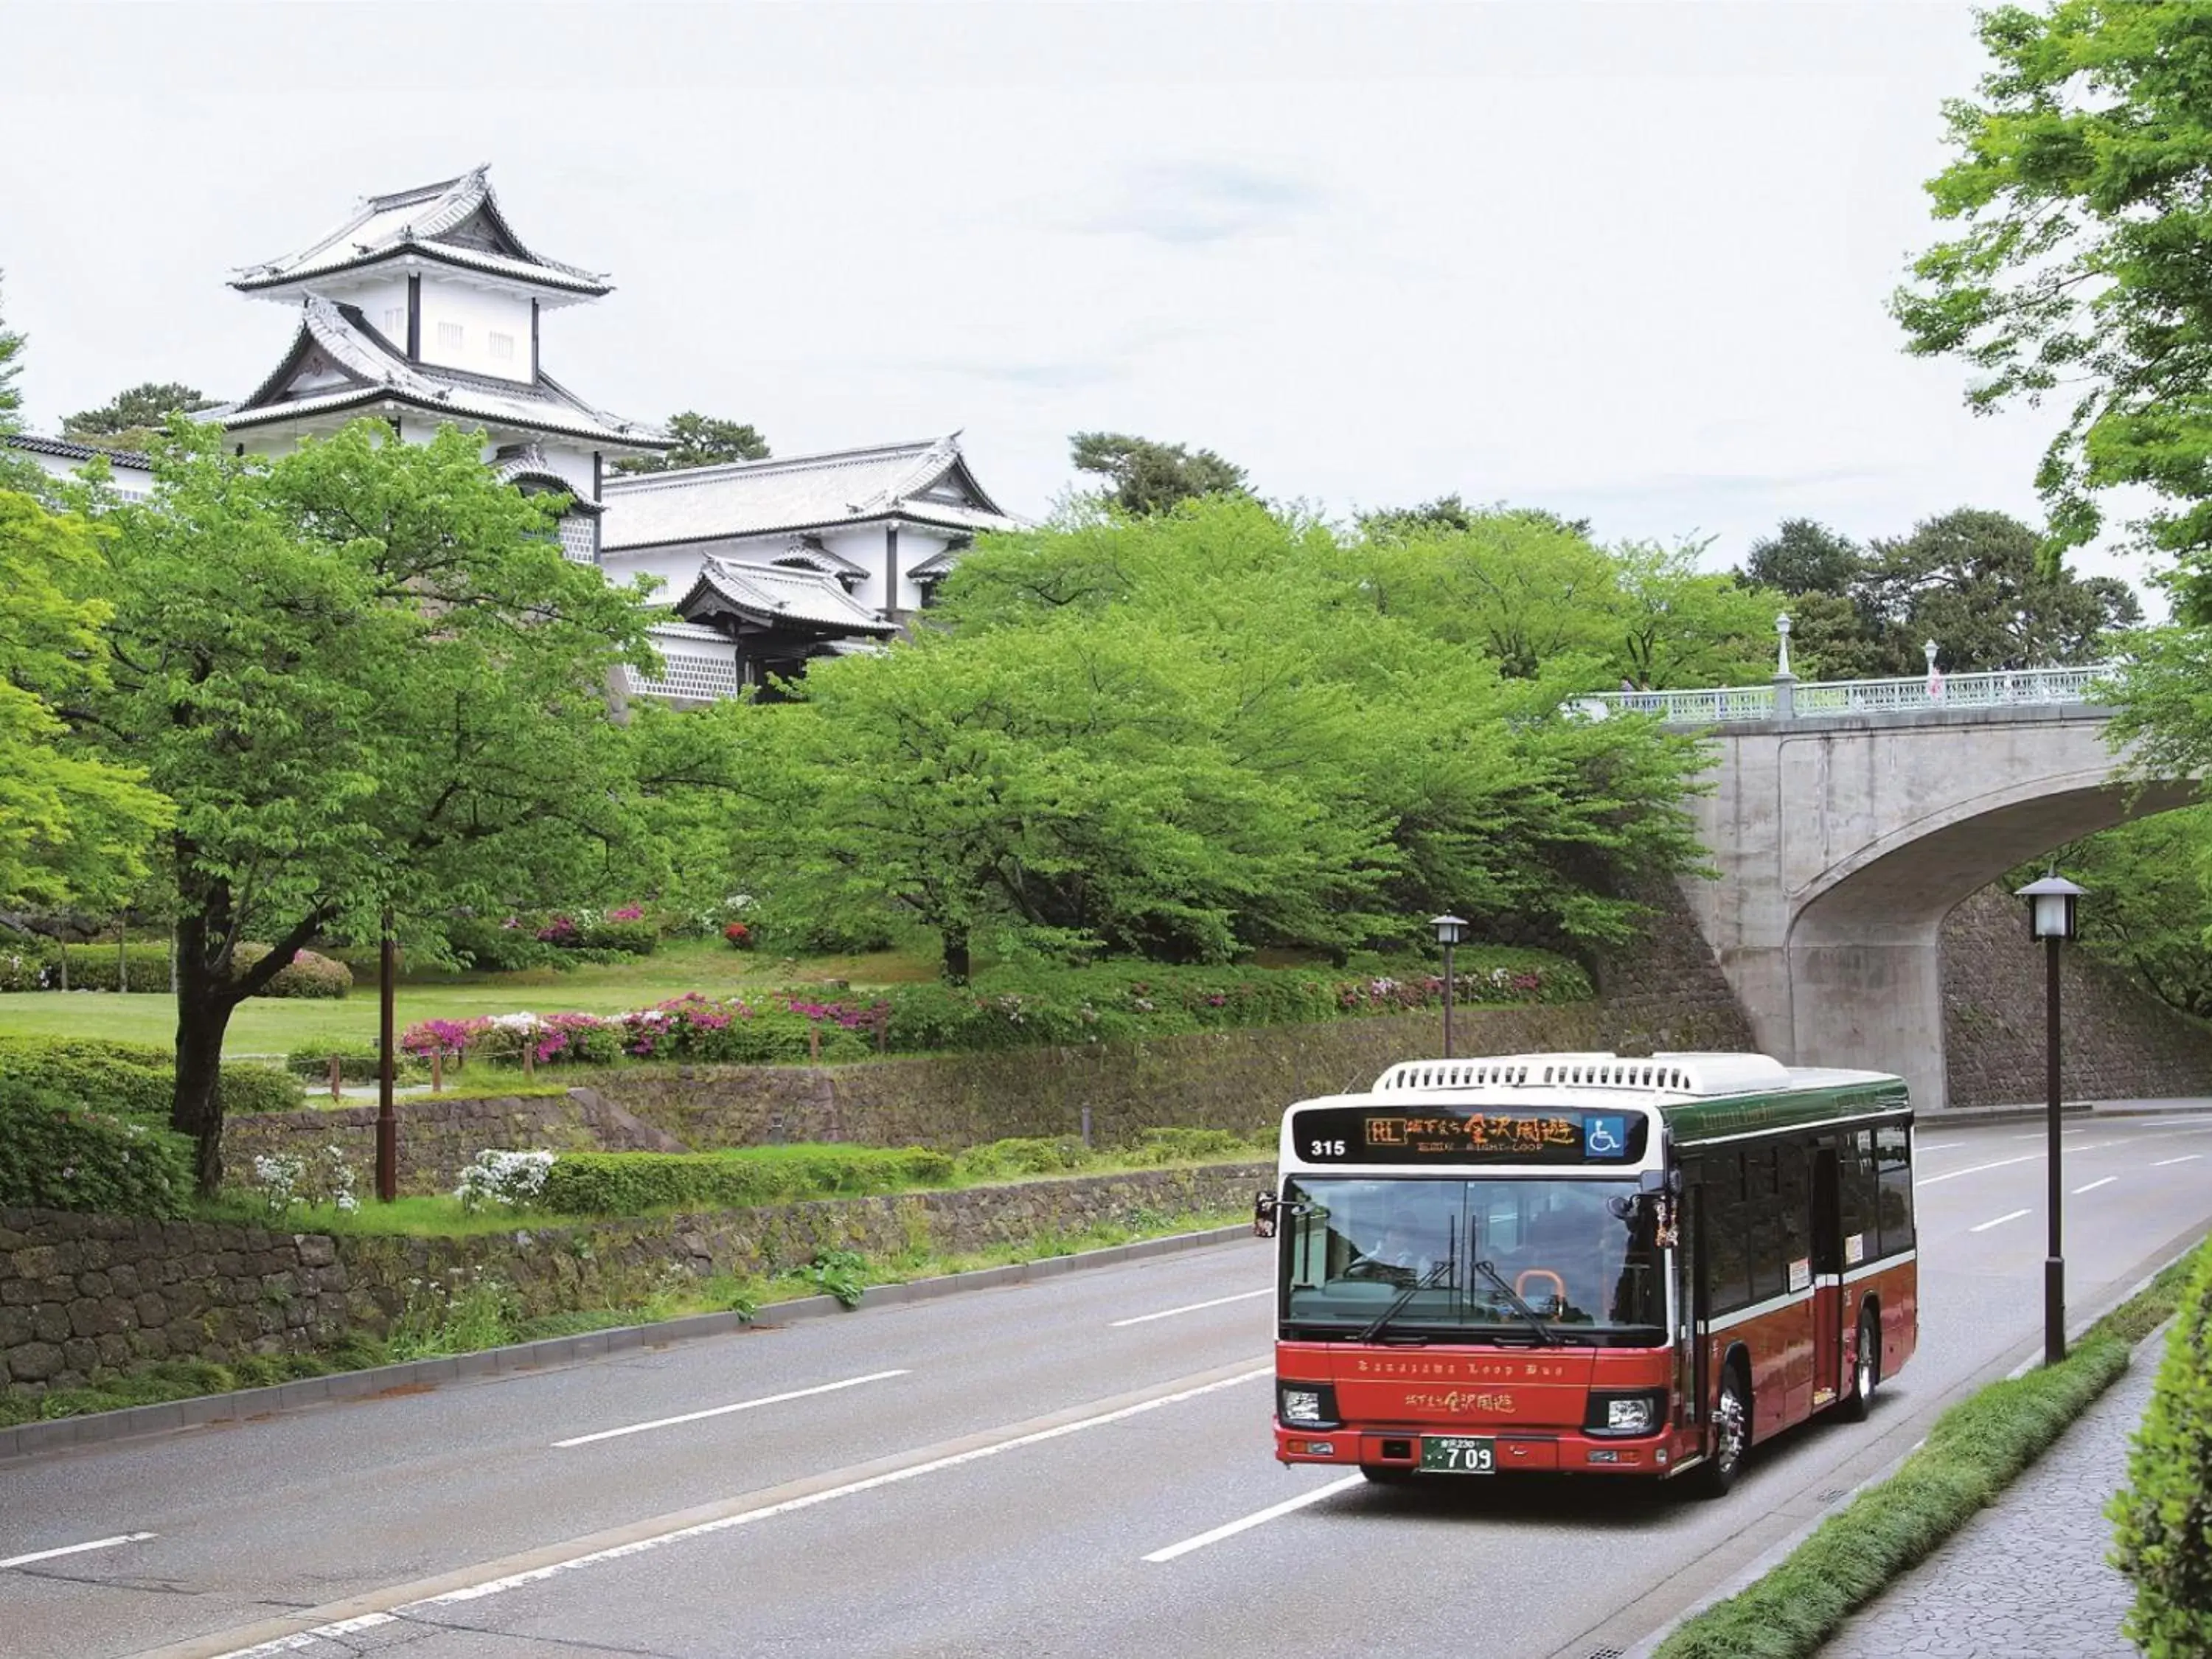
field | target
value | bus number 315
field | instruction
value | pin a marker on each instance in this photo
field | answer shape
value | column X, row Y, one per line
column 1325, row 1149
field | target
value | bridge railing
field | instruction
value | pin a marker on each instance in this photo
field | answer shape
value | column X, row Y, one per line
column 1786, row 699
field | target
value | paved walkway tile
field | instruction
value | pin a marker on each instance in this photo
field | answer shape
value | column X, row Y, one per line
column 2026, row 1578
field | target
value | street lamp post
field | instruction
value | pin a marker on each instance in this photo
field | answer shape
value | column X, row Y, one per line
column 2050, row 919
column 387, row 1122
column 1449, row 930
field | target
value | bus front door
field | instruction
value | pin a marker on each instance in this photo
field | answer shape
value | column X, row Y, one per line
column 1827, row 1277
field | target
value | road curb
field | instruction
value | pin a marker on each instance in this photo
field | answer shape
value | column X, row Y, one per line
column 2012, row 1362
column 418, row 1376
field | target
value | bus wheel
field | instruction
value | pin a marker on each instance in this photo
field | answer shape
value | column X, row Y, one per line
column 1386, row 1474
column 1866, row 1370
column 1731, row 1434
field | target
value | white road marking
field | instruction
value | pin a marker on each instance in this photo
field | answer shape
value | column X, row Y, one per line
column 2186, row 1158
column 1976, row 1169
column 724, row 1410
column 721, row 1523
column 1260, row 1518
column 2015, row 1216
column 2093, row 1185
column 1191, row 1307
column 76, row 1549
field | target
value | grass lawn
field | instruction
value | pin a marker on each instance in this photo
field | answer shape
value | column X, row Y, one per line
column 276, row 1026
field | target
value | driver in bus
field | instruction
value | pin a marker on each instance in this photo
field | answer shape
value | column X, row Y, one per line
column 1404, row 1250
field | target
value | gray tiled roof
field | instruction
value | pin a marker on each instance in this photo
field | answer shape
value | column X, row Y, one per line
column 774, row 594
column 421, row 220
column 374, row 373
column 62, row 449
column 803, row 492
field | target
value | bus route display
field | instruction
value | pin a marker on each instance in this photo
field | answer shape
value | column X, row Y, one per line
column 1362, row 1134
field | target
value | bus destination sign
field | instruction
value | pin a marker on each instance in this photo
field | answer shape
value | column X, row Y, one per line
column 1358, row 1134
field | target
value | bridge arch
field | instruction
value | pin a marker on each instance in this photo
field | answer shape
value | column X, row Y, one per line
column 1843, row 842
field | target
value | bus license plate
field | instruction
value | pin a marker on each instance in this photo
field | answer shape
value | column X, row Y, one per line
column 1453, row 1453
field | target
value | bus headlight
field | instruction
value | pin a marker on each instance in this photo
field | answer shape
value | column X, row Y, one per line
column 1626, row 1414
column 1306, row 1405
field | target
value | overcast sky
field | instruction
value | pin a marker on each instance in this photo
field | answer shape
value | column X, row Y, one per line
column 1623, row 260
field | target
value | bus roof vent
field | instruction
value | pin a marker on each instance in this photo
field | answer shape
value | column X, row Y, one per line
column 1665, row 1073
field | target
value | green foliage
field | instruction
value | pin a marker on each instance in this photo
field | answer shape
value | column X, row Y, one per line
column 1183, row 1145
column 97, row 967
column 701, row 440
column 358, row 1062
column 1018, row 1156
column 74, row 826
column 620, row 938
column 2151, row 917
column 56, row 1155
column 11, row 396
column 1149, row 478
column 248, row 1090
column 307, row 975
column 133, row 418
column 840, row 1274
column 1976, row 1450
column 2163, row 1517
column 121, row 1078
column 394, row 694
column 2082, row 262
column 479, row 1313
column 165, row 1380
column 630, row 1183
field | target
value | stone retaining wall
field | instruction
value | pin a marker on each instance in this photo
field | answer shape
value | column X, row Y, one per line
column 2117, row 1040
column 438, row 1133
column 81, row 1294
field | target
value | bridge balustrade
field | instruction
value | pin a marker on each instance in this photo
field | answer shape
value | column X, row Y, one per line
column 1786, row 699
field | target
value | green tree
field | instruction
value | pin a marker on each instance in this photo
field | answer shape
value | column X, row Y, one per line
column 73, row 828
column 1681, row 625
column 2152, row 916
column 2082, row 266
column 367, row 677
column 1804, row 556
column 1149, row 478
column 701, row 440
column 15, row 471
column 132, row 419
column 1970, row 580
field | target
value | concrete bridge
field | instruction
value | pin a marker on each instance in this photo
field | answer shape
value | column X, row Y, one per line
column 1846, row 820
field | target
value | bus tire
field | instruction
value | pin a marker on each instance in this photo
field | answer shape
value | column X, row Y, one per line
column 1866, row 1368
column 1386, row 1474
column 1731, row 1433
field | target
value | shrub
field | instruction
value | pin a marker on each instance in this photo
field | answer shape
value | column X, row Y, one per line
column 738, row 936
column 626, row 1183
column 55, row 1156
column 513, row 1179
column 248, row 1089
column 307, row 974
column 1187, row 1145
column 119, row 1078
column 2162, row 1518
column 94, row 967
column 634, row 938
column 26, row 965
column 1000, row 1160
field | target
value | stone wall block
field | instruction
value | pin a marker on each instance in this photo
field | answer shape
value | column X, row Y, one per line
column 33, row 1362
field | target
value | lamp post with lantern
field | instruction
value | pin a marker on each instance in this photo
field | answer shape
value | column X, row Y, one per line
column 2050, row 919
column 1450, row 931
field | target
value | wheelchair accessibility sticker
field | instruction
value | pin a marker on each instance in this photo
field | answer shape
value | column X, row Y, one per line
column 1605, row 1135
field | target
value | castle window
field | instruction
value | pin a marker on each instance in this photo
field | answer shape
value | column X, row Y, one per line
column 395, row 322
column 502, row 347
column 449, row 337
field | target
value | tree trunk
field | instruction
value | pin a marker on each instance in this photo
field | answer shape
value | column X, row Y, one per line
column 955, row 955
column 204, row 1004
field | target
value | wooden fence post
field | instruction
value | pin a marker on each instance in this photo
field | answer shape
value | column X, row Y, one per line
column 437, row 1069
column 337, row 1078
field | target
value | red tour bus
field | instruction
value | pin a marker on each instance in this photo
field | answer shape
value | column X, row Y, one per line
column 1582, row 1264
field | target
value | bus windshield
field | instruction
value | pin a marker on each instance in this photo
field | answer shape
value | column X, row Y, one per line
column 1577, row 1254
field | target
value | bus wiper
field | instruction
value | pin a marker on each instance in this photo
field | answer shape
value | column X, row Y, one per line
column 1429, row 1280
column 1549, row 1337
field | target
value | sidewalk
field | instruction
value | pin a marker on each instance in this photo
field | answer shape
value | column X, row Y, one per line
column 2026, row 1578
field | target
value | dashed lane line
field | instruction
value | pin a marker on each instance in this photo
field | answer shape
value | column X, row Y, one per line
column 1273, row 1511
column 724, row 1410
column 336, row 1620
column 77, row 1549
column 1191, row 1307
column 2093, row 1185
column 2012, row 1215
column 2186, row 1158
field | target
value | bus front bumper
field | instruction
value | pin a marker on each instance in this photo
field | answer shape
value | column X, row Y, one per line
column 1561, row 1451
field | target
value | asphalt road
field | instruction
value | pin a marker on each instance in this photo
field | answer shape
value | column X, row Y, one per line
column 1035, row 1470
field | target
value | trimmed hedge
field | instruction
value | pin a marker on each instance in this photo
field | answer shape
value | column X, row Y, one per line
column 93, row 967
column 358, row 1062
column 57, row 1156
column 132, row 1079
column 630, row 1183
column 2162, row 1518
column 307, row 975
column 246, row 1090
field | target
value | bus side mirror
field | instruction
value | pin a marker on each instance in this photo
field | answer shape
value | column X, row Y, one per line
column 1263, row 1215
column 1661, row 1181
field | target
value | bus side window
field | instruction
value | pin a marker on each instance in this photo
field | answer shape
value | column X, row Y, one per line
column 1769, row 1272
column 1727, row 1231
column 1893, row 1165
column 1862, row 1219
column 1794, row 1204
